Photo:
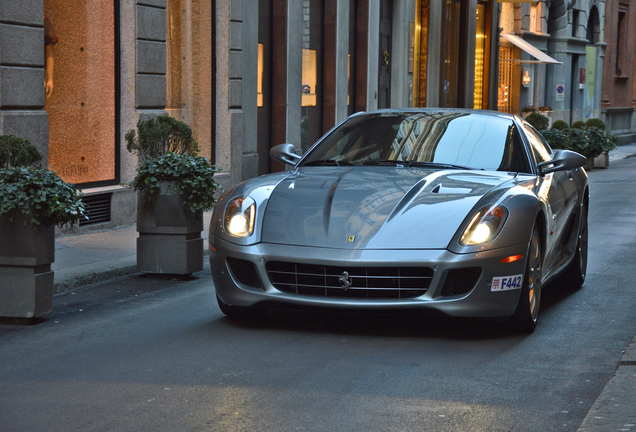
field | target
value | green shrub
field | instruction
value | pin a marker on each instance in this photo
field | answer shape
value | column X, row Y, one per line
column 18, row 152
column 31, row 188
column 601, row 140
column 560, row 125
column 556, row 138
column 538, row 121
column 167, row 152
column 193, row 174
column 578, row 125
column 597, row 123
column 160, row 136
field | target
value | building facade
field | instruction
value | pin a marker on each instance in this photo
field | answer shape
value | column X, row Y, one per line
column 619, row 70
column 76, row 75
column 551, row 57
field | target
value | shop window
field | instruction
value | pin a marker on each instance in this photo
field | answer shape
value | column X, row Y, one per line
column 621, row 38
column 421, row 52
column 259, row 82
column 310, row 78
column 504, row 100
column 82, row 103
column 312, row 52
column 480, row 57
column 449, row 93
column 189, row 68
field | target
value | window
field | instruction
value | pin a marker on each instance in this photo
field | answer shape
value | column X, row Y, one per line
column 540, row 149
column 481, row 101
column 81, row 108
column 621, row 38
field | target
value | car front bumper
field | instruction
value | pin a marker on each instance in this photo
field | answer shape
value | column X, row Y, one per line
column 478, row 301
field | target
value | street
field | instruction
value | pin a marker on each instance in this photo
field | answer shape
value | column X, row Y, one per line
column 143, row 354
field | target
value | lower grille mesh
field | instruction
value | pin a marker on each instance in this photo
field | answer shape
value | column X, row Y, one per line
column 460, row 281
column 351, row 282
column 244, row 272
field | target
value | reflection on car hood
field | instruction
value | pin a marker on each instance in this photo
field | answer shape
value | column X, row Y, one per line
column 373, row 207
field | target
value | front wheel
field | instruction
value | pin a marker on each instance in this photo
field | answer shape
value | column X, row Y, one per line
column 527, row 313
column 574, row 274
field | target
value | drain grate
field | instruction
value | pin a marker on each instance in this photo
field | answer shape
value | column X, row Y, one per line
column 97, row 209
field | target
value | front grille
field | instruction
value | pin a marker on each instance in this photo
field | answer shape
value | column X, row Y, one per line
column 244, row 272
column 349, row 282
column 97, row 209
column 460, row 281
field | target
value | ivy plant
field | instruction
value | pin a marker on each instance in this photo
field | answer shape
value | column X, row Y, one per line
column 40, row 192
column 27, row 188
column 194, row 177
column 167, row 152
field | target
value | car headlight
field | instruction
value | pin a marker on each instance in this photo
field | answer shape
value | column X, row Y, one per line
column 240, row 215
column 484, row 226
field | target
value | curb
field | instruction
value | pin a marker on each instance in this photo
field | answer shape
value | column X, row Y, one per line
column 615, row 408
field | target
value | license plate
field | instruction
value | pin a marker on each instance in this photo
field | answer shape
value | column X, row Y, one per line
column 506, row 283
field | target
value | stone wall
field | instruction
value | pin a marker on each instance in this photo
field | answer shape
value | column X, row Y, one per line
column 22, row 72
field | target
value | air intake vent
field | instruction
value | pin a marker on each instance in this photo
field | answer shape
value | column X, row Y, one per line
column 97, row 209
column 460, row 281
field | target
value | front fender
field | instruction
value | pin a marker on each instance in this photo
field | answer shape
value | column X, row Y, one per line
column 524, row 207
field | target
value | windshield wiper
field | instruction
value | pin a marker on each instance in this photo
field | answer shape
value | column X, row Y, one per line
column 327, row 162
column 384, row 162
column 435, row 165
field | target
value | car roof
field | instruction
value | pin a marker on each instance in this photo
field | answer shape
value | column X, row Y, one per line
column 438, row 111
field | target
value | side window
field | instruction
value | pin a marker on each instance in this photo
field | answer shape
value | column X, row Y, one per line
column 540, row 149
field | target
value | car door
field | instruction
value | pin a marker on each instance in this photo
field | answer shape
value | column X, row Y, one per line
column 560, row 192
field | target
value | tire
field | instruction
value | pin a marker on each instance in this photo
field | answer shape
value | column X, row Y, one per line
column 239, row 312
column 574, row 275
column 527, row 314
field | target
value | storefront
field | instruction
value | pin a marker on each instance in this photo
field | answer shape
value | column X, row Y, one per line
column 82, row 104
column 456, row 69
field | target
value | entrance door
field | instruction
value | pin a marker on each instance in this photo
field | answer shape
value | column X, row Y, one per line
column 384, row 79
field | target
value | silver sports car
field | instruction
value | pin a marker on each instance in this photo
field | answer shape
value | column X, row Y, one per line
column 464, row 212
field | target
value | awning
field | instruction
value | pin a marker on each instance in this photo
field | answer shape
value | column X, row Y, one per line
column 530, row 49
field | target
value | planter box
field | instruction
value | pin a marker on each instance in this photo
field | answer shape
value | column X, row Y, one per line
column 602, row 160
column 26, row 278
column 547, row 114
column 169, row 239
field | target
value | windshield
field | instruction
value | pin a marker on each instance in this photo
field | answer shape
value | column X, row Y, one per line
column 444, row 139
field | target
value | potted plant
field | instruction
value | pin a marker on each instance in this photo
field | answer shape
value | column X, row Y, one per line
column 546, row 111
column 538, row 121
column 590, row 141
column 33, row 200
column 175, row 187
column 606, row 139
column 527, row 110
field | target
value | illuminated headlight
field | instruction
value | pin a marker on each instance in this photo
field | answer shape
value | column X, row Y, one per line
column 484, row 226
column 240, row 214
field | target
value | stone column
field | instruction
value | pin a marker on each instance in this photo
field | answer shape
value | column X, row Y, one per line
column 22, row 72
column 150, row 64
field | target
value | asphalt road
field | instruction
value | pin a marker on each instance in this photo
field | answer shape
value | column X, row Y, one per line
column 138, row 354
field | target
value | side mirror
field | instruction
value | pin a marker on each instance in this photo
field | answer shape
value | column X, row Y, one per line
column 562, row 160
column 285, row 153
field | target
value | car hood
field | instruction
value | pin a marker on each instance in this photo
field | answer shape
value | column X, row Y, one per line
column 373, row 207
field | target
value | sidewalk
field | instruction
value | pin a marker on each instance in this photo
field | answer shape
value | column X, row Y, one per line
column 84, row 259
